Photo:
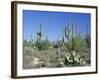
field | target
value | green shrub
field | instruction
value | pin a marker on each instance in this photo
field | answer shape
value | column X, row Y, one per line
column 76, row 43
column 43, row 45
column 79, row 43
column 26, row 43
column 69, row 45
column 55, row 45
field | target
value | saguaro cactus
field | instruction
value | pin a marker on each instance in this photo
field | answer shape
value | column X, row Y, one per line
column 31, row 40
column 63, row 37
column 72, row 34
column 68, row 33
column 39, row 34
column 62, row 41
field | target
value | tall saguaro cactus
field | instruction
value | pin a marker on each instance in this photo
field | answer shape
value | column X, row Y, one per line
column 31, row 40
column 39, row 34
column 67, row 29
column 72, row 34
column 68, row 34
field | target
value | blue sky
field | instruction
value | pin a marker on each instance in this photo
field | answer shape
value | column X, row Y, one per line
column 53, row 23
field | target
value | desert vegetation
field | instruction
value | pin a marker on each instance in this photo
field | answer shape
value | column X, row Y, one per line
column 71, row 50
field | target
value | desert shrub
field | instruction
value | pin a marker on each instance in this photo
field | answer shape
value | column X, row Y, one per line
column 27, row 44
column 83, row 44
column 55, row 45
column 69, row 45
column 43, row 45
column 76, row 43
column 79, row 44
